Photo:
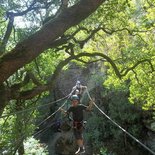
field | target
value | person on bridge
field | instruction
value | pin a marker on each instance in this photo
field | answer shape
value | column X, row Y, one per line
column 79, row 89
column 77, row 111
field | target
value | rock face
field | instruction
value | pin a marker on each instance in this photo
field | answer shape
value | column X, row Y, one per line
column 65, row 144
column 62, row 143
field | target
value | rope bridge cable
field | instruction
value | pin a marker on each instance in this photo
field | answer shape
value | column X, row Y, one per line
column 36, row 134
column 53, row 113
column 147, row 148
column 44, row 129
column 26, row 110
column 40, row 106
column 68, row 96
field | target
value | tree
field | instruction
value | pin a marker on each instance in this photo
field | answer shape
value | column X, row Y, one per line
column 54, row 35
column 47, row 37
column 118, row 33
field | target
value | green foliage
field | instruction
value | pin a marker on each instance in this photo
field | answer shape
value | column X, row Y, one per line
column 104, row 151
column 133, row 44
column 44, row 66
column 32, row 146
column 16, row 127
column 102, row 132
column 95, row 132
column 127, row 37
column 126, row 115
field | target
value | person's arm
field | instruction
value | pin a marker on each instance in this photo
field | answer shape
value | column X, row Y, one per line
column 83, row 87
column 63, row 111
column 90, row 106
column 66, row 113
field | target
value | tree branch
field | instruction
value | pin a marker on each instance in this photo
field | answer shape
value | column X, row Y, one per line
column 7, row 34
column 30, row 48
column 38, row 90
column 108, row 59
column 135, row 65
column 28, row 94
column 29, row 8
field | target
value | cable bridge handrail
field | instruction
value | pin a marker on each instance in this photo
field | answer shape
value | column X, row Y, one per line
column 147, row 148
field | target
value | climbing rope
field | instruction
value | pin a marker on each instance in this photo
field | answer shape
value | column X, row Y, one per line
column 53, row 113
column 147, row 148
column 30, row 109
column 40, row 106
column 44, row 129
column 68, row 96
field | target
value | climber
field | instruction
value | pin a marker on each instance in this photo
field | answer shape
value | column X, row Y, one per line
column 77, row 111
column 79, row 89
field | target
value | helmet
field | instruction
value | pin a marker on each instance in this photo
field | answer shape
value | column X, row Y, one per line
column 74, row 97
column 78, row 82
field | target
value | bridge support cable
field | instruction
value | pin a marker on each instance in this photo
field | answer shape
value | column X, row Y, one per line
column 43, row 130
column 68, row 96
column 135, row 139
column 32, row 108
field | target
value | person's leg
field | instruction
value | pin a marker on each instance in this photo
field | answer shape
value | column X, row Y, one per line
column 79, row 140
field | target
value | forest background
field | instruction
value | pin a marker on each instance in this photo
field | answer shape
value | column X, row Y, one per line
column 46, row 46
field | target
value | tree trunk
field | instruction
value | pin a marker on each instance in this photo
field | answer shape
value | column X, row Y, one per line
column 21, row 149
column 3, row 99
column 34, row 45
column 19, row 126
